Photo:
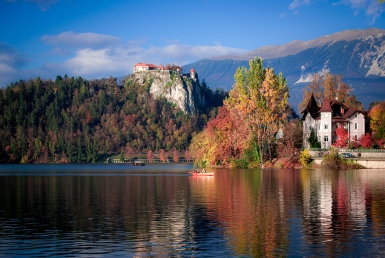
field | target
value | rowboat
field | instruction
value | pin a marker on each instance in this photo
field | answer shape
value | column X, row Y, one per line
column 193, row 173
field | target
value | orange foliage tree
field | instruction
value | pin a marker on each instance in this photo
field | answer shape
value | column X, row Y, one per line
column 377, row 122
column 251, row 115
column 261, row 97
column 332, row 87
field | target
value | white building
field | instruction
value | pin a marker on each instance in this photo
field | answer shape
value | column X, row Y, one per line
column 324, row 121
column 139, row 67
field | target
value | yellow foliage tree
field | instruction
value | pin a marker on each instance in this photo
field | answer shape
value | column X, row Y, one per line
column 261, row 99
column 332, row 87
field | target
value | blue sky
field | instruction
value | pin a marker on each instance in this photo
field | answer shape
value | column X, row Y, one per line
column 95, row 39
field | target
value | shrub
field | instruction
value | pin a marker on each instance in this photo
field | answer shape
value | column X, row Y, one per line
column 305, row 158
column 332, row 160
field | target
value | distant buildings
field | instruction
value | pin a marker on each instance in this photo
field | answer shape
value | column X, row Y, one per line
column 140, row 67
column 324, row 121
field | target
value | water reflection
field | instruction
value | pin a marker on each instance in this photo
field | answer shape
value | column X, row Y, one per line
column 158, row 212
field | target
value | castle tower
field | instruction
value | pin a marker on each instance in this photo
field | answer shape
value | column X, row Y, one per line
column 192, row 74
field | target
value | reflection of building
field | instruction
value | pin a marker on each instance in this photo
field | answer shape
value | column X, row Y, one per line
column 324, row 121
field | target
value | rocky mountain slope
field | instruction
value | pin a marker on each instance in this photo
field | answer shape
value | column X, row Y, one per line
column 358, row 55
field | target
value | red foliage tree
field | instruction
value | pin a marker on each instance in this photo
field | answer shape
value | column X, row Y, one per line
column 366, row 141
column 342, row 137
column 187, row 155
column 175, row 156
column 163, row 155
column 150, row 156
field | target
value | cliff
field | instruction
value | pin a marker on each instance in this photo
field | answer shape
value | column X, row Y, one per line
column 184, row 92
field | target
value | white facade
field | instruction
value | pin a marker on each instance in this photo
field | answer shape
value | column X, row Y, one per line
column 325, row 120
column 326, row 129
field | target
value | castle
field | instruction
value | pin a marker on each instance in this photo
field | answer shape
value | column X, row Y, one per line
column 140, row 67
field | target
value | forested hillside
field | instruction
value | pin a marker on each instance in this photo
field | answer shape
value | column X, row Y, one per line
column 77, row 120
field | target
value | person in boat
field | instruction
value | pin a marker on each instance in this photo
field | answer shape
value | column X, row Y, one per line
column 203, row 170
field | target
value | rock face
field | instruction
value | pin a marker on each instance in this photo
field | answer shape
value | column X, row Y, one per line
column 185, row 92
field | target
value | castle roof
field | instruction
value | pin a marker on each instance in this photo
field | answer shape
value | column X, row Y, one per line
column 144, row 64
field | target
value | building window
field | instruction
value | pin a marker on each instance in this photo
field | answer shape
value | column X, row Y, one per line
column 319, row 127
column 326, row 115
column 355, row 126
column 326, row 138
column 326, row 126
column 355, row 115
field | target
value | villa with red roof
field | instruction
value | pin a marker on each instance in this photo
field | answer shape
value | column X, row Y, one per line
column 324, row 121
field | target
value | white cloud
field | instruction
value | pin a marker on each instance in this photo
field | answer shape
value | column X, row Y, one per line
column 44, row 5
column 298, row 3
column 81, row 40
column 92, row 55
column 372, row 8
column 117, row 61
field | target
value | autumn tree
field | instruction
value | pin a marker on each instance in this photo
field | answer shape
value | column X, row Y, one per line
column 366, row 140
column 342, row 137
column 247, row 123
column 292, row 139
column 150, row 156
column 163, row 155
column 261, row 99
column 175, row 156
column 377, row 120
column 332, row 87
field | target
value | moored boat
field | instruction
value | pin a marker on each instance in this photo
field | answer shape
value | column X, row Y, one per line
column 197, row 173
column 138, row 163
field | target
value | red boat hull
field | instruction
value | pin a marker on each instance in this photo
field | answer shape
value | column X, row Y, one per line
column 201, row 174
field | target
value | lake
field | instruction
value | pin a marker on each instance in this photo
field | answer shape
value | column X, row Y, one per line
column 119, row 210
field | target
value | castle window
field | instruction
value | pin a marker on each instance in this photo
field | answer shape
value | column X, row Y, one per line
column 355, row 126
column 326, row 138
column 326, row 114
column 326, row 126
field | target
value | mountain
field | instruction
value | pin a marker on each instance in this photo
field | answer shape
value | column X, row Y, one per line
column 357, row 55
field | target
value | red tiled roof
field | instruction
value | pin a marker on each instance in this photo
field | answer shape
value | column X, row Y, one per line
column 311, row 108
column 311, row 105
column 350, row 112
column 326, row 106
column 144, row 64
column 192, row 70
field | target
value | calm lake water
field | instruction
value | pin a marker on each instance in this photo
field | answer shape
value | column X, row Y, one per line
column 161, row 211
